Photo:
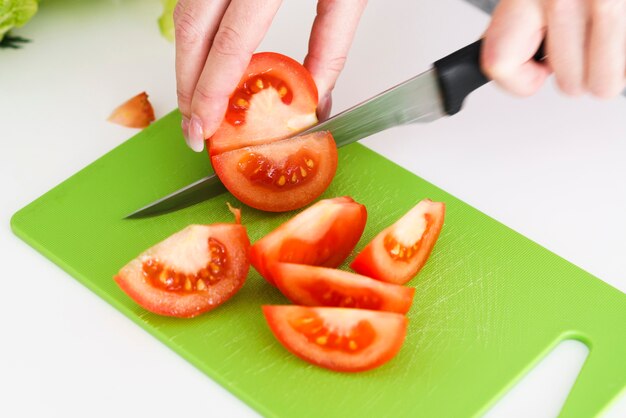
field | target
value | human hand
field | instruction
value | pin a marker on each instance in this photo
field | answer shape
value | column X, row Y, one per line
column 216, row 39
column 585, row 46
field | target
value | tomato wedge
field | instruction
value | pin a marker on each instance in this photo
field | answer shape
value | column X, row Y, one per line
column 398, row 253
column 275, row 98
column 191, row 272
column 321, row 235
column 341, row 339
column 282, row 175
column 136, row 112
column 321, row 286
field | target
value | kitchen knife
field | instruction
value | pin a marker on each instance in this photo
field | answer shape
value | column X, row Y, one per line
column 431, row 95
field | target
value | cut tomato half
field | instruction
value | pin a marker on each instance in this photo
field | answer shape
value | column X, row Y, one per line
column 191, row 272
column 134, row 113
column 321, row 235
column 341, row 339
column 279, row 176
column 322, row 286
column 275, row 98
column 398, row 253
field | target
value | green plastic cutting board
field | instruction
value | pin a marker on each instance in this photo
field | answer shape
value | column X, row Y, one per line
column 489, row 304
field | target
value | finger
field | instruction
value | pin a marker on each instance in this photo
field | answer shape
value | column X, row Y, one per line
column 606, row 53
column 331, row 36
column 512, row 39
column 196, row 22
column 239, row 34
column 567, row 30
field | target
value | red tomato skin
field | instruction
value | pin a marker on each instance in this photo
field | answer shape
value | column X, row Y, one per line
column 274, row 315
column 374, row 262
column 364, row 264
column 343, row 233
column 298, row 283
column 166, row 303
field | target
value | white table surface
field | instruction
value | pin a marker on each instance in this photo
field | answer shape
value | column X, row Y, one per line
column 550, row 167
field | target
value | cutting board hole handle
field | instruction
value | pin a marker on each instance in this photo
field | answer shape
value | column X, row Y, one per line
column 562, row 362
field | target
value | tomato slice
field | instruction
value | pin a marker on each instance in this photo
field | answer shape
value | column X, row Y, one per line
column 398, row 253
column 322, row 235
column 341, row 339
column 137, row 112
column 321, row 286
column 191, row 272
column 275, row 98
column 279, row 176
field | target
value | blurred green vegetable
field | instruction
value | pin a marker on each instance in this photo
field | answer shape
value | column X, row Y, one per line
column 166, row 21
column 15, row 13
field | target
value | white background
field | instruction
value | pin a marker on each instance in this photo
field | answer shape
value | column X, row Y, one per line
column 549, row 167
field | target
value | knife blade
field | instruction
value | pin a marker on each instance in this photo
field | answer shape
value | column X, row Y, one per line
column 437, row 92
column 196, row 192
column 394, row 107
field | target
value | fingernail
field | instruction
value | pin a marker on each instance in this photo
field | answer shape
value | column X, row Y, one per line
column 195, row 138
column 324, row 106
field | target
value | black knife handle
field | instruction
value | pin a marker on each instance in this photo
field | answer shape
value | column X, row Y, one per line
column 459, row 74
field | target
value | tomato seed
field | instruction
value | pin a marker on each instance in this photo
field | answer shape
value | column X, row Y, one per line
column 317, row 329
column 242, row 103
column 321, row 340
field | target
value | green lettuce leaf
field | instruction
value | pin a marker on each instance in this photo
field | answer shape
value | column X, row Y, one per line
column 166, row 21
column 15, row 13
